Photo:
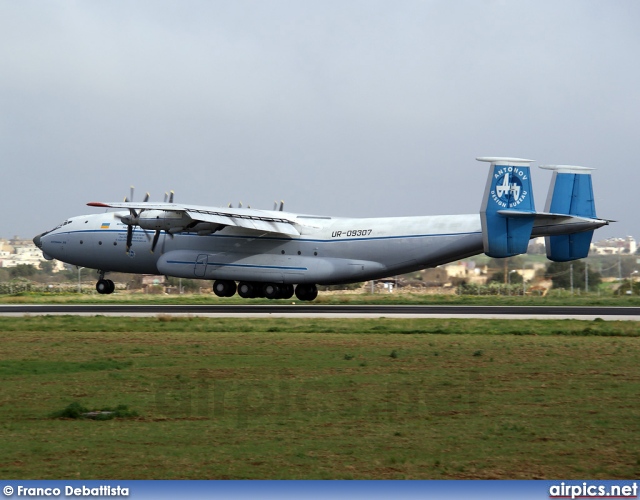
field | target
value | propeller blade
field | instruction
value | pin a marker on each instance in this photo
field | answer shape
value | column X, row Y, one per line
column 166, row 195
column 146, row 198
column 155, row 240
column 171, row 197
column 129, row 237
column 131, row 188
column 240, row 205
column 275, row 206
column 281, row 205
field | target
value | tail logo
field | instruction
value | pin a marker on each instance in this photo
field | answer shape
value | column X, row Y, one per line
column 508, row 191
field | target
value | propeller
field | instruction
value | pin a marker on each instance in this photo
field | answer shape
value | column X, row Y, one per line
column 168, row 197
column 129, row 237
column 155, row 240
column 133, row 218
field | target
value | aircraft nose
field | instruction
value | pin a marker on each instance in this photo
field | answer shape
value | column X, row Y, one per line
column 37, row 241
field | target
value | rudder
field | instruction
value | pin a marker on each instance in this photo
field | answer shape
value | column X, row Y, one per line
column 508, row 209
column 571, row 193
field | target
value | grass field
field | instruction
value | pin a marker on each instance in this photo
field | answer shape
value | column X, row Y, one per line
column 557, row 298
column 554, row 298
column 329, row 398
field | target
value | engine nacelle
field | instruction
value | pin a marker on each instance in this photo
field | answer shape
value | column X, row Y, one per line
column 163, row 220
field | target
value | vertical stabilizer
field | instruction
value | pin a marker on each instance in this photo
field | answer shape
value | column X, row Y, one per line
column 570, row 193
column 508, row 209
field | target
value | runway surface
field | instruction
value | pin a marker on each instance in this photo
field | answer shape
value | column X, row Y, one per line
column 328, row 311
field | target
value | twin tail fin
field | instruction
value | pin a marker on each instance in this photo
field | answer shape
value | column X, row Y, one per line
column 509, row 218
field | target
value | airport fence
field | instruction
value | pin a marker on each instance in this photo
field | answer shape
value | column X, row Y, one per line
column 17, row 287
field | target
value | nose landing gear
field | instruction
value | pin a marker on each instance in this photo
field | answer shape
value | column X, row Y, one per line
column 104, row 286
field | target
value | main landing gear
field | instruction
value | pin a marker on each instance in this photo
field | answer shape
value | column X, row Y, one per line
column 252, row 290
column 104, row 286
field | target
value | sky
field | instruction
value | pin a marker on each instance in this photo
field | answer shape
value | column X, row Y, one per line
column 358, row 108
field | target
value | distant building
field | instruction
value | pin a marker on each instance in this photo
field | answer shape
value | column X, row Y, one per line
column 18, row 251
column 614, row 246
column 466, row 270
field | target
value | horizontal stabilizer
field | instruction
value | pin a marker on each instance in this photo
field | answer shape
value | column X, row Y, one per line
column 516, row 213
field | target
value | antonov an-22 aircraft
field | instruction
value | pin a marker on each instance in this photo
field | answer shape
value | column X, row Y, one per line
column 274, row 254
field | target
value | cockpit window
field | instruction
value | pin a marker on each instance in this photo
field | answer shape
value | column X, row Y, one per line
column 57, row 227
column 60, row 225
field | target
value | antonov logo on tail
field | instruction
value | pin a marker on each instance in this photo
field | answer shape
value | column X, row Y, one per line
column 508, row 192
column 504, row 188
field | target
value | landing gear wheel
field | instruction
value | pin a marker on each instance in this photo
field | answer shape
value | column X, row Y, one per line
column 312, row 292
column 246, row 290
column 286, row 291
column 271, row 291
column 224, row 288
column 103, row 286
column 112, row 286
column 306, row 292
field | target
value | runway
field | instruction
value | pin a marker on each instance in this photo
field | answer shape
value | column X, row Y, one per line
column 328, row 311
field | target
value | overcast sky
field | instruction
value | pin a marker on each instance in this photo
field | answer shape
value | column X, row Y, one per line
column 348, row 108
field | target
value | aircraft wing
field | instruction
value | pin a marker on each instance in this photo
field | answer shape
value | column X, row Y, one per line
column 249, row 218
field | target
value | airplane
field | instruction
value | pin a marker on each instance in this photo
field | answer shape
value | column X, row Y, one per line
column 274, row 254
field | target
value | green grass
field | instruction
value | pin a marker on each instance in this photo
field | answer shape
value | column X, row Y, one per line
column 555, row 297
column 311, row 398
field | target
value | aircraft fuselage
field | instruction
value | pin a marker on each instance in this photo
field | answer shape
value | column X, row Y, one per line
column 340, row 250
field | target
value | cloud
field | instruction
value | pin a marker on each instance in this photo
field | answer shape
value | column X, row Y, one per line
column 347, row 108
